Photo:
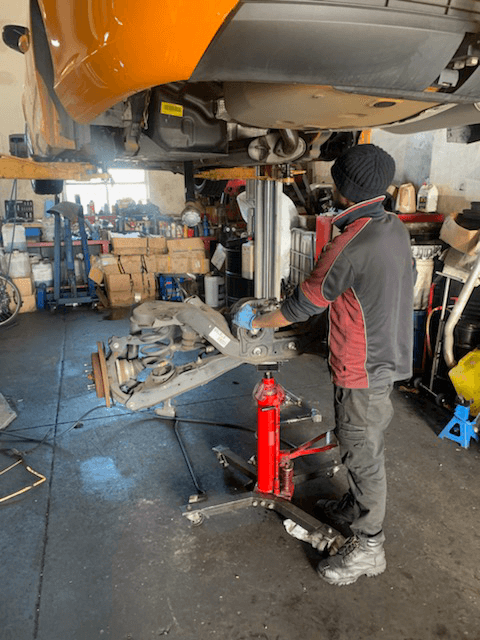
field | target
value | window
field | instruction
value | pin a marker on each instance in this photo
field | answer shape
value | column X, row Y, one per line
column 126, row 183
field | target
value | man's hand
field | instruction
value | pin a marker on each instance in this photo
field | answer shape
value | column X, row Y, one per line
column 244, row 317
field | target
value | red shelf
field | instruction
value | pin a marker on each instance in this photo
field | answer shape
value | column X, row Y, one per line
column 104, row 244
column 421, row 217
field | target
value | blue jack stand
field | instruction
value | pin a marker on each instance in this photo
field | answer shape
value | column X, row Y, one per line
column 69, row 295
column 462, row 425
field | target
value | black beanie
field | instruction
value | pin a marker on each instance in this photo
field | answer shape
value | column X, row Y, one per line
column 363, row 172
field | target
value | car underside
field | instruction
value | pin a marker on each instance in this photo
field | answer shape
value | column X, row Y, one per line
column 281, row 81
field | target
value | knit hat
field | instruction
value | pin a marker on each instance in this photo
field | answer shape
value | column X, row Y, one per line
column 363, row 172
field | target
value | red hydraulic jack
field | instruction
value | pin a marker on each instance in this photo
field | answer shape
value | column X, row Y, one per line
column 273, row 472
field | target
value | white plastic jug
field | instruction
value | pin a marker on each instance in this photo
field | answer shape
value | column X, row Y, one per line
column 214, row 290
column 427, row 198
column 43, row 273
column 79, row 271
column 15, row 233
column 48, row 229
column 19, row 265
column 406, row 202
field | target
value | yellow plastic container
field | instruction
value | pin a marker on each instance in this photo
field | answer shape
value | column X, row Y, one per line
column 465, row 377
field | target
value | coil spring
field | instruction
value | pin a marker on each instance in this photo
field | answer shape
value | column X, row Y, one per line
column 158, row 346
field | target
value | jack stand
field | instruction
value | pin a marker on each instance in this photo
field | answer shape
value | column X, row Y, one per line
column 69, row 295
column 273, row 469
column 464, row 427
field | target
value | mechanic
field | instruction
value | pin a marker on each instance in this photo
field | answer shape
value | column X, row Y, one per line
column 364, row 277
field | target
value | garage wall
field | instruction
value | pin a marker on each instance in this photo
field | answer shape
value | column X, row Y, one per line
column 12, row 73
column 452, row 167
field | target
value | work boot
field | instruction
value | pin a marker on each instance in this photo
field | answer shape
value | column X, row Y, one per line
column 359, row 556
column 338, row 511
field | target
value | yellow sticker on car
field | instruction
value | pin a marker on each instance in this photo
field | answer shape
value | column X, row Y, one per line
column 170, row 109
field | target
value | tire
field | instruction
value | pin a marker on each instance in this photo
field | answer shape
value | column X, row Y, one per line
column 10, row 301
column 47, row 187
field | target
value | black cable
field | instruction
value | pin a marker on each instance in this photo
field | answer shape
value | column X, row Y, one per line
column 227, row 425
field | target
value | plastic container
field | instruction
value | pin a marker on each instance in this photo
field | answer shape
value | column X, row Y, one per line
column 406, row 202
column 427, row 198
column 465, row 378
column 15, row 233
column 205, row 226
column 214, row 290
column 19, row 265
column 43, row 273
column 423, row 282
column 79, row 271
column 48, row 229
column 248, row 260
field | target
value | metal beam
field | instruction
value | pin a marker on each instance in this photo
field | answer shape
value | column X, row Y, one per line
column 12, row 168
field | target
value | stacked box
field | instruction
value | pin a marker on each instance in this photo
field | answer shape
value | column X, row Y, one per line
column 156, row 245
column 119, row 289
column 131, row 264
column 25, row 286
column 461, row 239
column 185, row 255
column 29, row 303
column 126, row 246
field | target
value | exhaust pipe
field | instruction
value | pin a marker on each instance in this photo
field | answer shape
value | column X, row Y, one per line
column 456, row 312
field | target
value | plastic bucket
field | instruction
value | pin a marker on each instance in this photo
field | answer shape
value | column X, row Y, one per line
column 214, row 291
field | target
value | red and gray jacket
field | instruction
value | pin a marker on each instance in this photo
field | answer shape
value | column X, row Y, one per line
column 365, row 278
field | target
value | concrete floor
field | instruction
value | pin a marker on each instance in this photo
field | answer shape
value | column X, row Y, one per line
column 101, row 549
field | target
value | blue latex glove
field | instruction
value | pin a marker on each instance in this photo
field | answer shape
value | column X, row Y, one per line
column 244, row 317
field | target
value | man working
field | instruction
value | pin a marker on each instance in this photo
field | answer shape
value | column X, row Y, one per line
column 365, row 278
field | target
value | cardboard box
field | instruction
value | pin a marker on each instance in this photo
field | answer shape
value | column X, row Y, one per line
column 107, row 262
column 179, row 262
column 156, row 245
column 198, row 263
column 29, row 303
column 131, row 264
column 137, row 282
column 150, row 263
column 120, row 282
column 185, row 244
column 120, row 298
column 129, row 246
column 163, row 264
column 464, row 240
column 96, row 274
column 25, row 286
column 150, row 285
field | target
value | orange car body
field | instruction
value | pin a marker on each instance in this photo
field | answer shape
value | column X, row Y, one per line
column 161, row 82
column 104, row 50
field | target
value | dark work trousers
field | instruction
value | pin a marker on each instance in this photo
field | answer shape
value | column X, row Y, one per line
column 361, row 417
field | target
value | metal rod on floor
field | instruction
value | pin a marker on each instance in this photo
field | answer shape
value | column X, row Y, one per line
column 201, row 494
